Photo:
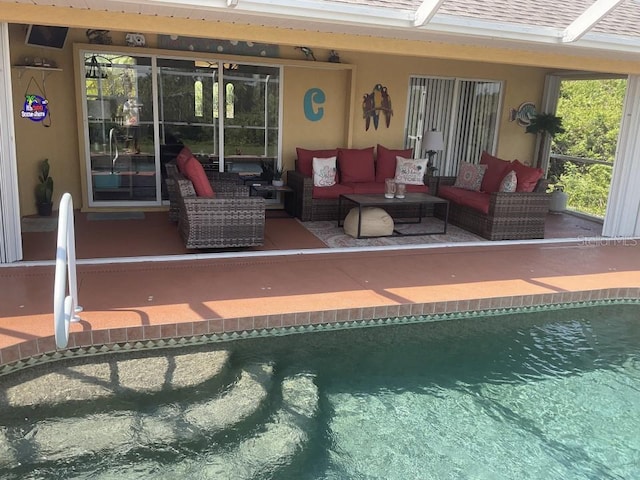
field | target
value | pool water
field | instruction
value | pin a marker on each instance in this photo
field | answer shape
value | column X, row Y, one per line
column 549, row 395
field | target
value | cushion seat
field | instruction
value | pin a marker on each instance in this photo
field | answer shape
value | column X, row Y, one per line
column 477, row 200
column 375, row 223
column 365, row 187
column 334, row 191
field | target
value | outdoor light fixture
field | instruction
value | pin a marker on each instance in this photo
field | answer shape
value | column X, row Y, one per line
column 432, row 142
column 94, row 70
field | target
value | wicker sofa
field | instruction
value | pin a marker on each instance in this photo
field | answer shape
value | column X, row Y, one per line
column 231, row 219
column 313, row 203
column 497, row 215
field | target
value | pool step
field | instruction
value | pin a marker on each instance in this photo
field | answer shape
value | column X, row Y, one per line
column 64, row 438
column 113, row 376
column 273, row 447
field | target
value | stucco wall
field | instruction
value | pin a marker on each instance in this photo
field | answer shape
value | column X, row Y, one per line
column 59, row 141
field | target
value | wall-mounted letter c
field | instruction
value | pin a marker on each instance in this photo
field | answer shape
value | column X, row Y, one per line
column 312, row 98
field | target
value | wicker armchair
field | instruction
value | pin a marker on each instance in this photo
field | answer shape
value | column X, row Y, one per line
column 512, row 216
column 221, row 182
column 231, row 219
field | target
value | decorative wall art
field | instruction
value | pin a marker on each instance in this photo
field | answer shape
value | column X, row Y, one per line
column 312, row 99
column 375, row 103
column 523, row 114
column 230, row 47
column 34, row 108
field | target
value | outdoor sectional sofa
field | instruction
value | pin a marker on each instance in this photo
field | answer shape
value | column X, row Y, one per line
column 497, row 215
column 359, row 171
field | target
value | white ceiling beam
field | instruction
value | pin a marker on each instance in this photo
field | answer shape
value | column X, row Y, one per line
column 588, row 19
column 426, row 11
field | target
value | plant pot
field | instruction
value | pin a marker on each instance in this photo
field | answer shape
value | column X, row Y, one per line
column 558, row 201
column 45, row 209
column 277, row 183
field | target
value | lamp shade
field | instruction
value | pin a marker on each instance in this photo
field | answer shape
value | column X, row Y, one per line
column 432, row 141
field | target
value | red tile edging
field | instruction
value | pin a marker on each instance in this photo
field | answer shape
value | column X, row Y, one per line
column 46, row 345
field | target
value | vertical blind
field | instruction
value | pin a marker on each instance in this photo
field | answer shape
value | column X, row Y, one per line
column 465, row 111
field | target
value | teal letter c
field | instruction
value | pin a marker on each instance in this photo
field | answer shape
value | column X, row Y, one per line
column 313, row 97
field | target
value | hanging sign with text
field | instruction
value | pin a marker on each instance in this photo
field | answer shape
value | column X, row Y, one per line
column 35, row 108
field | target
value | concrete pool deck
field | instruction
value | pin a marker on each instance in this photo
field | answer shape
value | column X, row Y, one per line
column 141, row 301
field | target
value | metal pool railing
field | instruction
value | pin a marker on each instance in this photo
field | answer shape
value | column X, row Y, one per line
column 65, row 307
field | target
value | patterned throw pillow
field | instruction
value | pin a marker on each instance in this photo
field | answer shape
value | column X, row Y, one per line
column 411, row 171
column 509, row 182
column 324, row 171
column 470, row 176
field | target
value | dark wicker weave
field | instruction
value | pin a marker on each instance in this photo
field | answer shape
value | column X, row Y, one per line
column 231, row 219
column 220, row 181
column 301, row 203
column 512, row 216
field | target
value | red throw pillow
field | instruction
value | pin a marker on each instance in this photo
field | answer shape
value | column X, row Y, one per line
column 527, row 176
column 496, row 170
column 193, row 171
column 304, row 165
column 386, row 161
column 356, row 165
column 181, row 159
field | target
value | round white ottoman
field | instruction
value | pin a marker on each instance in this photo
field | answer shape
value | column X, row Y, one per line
column 375, row 223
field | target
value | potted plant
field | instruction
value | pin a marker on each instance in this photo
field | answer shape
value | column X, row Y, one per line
column 277, row 177
column 559, row 198
column 44, row 189
column 543, row 125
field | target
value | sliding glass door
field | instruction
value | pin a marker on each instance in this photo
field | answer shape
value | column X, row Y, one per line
column 465, row 111
column 138, row 108
column 120, row 128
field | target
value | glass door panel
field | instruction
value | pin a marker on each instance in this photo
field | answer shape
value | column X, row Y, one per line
column 186, row 110
column 119, row 96
column 250, row 100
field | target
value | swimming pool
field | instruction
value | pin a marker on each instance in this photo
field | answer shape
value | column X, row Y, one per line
column 551, row 395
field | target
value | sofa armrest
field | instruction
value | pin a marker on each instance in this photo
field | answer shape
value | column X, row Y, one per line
column 302, row 197
column 215, row 206
column 529, row 204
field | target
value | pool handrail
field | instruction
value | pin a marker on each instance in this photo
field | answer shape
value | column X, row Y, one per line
column 65, row 307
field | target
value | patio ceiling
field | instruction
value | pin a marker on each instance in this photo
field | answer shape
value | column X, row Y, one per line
column 607, row 28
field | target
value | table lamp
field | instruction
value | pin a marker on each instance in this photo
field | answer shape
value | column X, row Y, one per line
column 432, row 142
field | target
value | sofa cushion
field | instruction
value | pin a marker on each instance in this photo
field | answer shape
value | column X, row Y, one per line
column 386, row 161
column 477, row 200
column 509, row 182
column 304, row 165
column 182, row 157
column 417, row 189
column 411, row 171
column 194, row 171
column 365, row 187
column 527, row 176
column 333, row 191
column 324, row 171
column 496, row 170
column 470, row 176
column 356, row 165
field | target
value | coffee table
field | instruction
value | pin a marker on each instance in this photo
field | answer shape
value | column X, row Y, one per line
column 423, row 200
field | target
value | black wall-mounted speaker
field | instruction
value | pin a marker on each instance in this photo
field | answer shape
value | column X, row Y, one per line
column 44, row 36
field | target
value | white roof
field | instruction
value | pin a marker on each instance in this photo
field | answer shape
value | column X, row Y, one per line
column 595, row 27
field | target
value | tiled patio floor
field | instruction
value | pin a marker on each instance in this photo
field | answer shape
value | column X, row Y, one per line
column 151, row 300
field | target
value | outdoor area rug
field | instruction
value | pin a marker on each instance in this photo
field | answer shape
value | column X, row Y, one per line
column 39, row 224
column 115, row 216
column 334, row 236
